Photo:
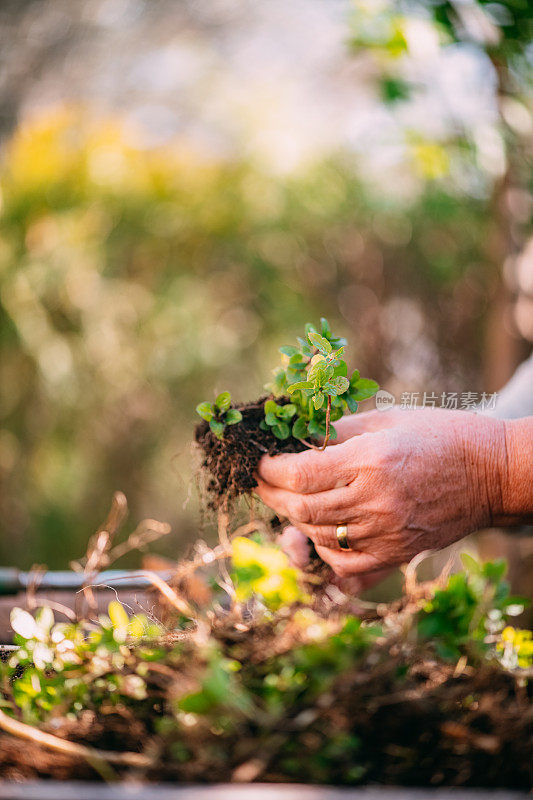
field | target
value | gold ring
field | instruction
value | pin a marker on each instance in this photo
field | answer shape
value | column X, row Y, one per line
column 342, row 537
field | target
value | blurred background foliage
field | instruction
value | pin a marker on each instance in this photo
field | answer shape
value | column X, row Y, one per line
column 168, row 221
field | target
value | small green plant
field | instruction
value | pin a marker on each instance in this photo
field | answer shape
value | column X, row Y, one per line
column 219, row 414
column 277, row 419
column 471, row 610
column 316, row 378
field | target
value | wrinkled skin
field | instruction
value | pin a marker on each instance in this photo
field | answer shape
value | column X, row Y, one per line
column 402, row 481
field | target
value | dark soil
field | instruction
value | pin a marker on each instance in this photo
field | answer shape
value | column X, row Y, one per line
column 232, row 461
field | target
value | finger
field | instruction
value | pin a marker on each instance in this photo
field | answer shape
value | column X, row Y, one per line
column 372, row 578
column 326, row 535
column 350, row 586
column 367, row 422
column 296, row 545
column 356, row 584
column 310, row 471
column 322, row 508
column 345, row 563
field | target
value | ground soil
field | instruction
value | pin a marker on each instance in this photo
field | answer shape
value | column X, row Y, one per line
column 417, row 724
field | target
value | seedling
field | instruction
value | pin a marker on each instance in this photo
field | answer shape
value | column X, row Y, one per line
column 316, row 378
column 277, row 419
column 219, row 414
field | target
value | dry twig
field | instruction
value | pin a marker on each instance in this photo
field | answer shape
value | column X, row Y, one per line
column 31, row 734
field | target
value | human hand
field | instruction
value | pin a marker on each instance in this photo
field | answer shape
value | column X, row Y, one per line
column 410, row 481
column 298, row 547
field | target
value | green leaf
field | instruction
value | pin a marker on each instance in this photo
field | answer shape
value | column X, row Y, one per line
column 470, row 564
column 354, row 377
column 205, row 411
column 338, row 341
column 317, row 373
column 196, row 703
column 351, row 403
column 316, row 427
column 342, row 383
column 263, row 425
column 363, row 389
column 299, row 429
column 304, row 346
column 340, row 369
column 296, row 360
column 318, row 400
column 217, row 428
column 324, row 327
column 223, row 401
column 320, row 343
column 232, row 416
column 287, row 412
column 271, row 419
column 495, row 570
column 336, row 411
column 270, row 407
column 337, row 386
column 294, row 377
column 297, row 369
column 281, row 430
column 309, row 328
column 339, row 352
column 288, row 350
column 300, row 386
column 279, row 383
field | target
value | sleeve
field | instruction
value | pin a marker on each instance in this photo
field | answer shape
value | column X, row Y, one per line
column 516, row 398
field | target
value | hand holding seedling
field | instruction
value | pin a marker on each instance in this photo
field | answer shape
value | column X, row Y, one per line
column 396, row 483
column 403, row 482
column 310, row 391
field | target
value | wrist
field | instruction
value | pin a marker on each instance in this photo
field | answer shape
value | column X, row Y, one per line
column 488, row 452
column 516, row 474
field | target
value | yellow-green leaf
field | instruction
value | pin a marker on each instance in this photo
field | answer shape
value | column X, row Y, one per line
column 117, row 614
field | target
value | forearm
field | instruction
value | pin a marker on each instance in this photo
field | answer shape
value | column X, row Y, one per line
column 517, row 474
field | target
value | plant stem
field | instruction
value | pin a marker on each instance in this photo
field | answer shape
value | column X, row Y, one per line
column 328, row 416
column 322, row 447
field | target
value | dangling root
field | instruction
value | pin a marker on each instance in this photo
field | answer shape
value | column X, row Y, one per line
column 223, row 537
